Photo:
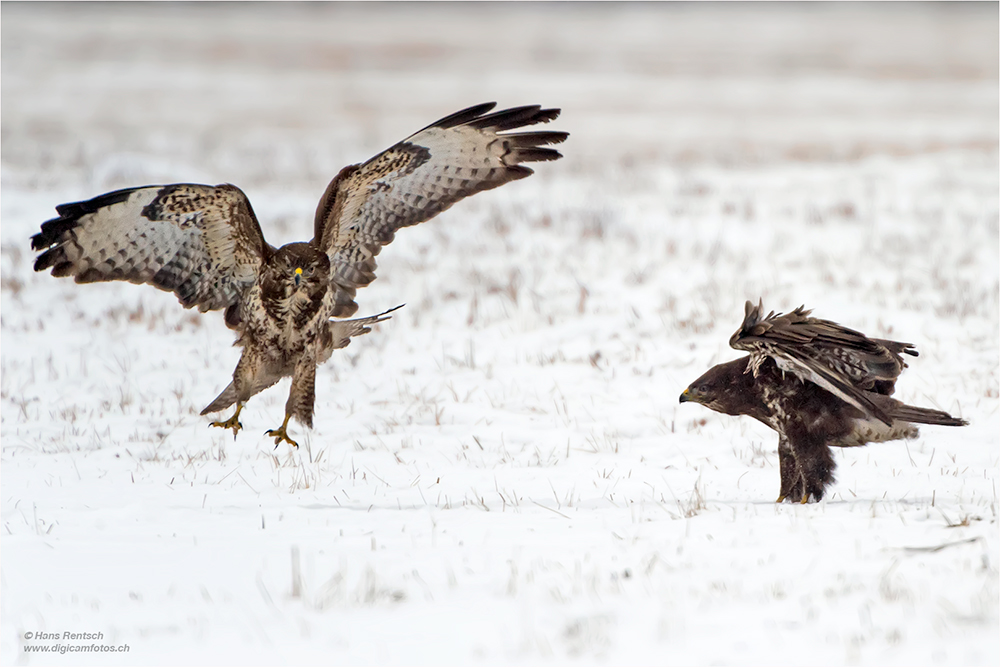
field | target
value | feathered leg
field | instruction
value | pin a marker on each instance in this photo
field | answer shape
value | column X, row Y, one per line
column 300, row 402
column 248, row 379
column 792, row 484
column 816, row 463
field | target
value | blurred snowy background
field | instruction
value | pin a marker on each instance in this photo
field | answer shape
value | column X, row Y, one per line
column 501, row 474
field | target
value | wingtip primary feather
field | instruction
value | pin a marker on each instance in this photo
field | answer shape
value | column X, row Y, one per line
column 537, row 155
column 53, row 231
column 479, row 117
column 462, row 117
column 515, row 117
column 538, row 137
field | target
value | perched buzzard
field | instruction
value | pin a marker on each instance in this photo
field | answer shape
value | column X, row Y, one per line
column 204, row 244
column 819, row 385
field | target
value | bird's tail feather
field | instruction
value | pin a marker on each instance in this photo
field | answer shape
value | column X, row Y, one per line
column 341, row 331
column 914, row 415
column 223, row 400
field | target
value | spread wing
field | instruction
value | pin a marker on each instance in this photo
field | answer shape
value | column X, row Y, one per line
column 458, row 156
column 843, row 361
column 202, row 243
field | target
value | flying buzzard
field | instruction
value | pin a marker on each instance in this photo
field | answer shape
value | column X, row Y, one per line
column 204, row 244
column 819, row 385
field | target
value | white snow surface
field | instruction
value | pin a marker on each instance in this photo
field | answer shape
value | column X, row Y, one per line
column 501, row 473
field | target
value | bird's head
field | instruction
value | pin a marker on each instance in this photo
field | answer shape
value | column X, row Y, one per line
column 297, row 268
column 725, row 388
column 302, row 264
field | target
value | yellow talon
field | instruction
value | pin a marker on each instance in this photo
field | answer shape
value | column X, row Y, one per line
column 233, row 422
column 281, row 433
column 805, row 499
column 780, row 499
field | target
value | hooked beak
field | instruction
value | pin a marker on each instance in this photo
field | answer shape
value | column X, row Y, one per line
column 686, row 395
column 298, row 276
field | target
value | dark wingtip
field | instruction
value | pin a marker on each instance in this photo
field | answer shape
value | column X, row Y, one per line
column 49, row 239
column 538, row 155
column 464, row 116
column 478, row 116
column 46, row 260
column 38, row 242
column 51, row 231
column 74, row 210
column 539, row 138
column 545, row 115
column 531, row 146
column 511, row 119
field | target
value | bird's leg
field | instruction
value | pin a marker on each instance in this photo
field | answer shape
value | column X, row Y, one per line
column 233, row 422
column 300, row 399
column 281, row 433
column 791, row 476
column 817, row 465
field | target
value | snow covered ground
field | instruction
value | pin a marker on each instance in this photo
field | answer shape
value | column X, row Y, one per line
column 501, row 474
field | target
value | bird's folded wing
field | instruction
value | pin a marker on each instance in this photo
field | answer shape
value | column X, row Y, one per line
column 809, row 369
column 842, row 361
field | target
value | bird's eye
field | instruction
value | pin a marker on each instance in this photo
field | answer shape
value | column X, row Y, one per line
column 702, row 389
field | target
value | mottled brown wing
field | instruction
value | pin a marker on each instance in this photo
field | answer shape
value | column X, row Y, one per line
column 419, row 177
column 841, row 360
column 202, row 243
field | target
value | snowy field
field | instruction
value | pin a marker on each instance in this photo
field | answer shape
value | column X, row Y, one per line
column 501, row 474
